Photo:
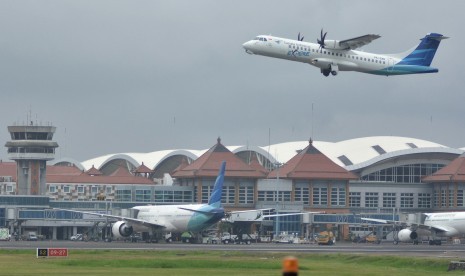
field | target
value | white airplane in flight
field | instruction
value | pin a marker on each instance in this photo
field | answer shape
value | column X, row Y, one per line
column 332, row 56
column 449, row 224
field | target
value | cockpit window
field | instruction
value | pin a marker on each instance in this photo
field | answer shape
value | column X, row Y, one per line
column 264, row 39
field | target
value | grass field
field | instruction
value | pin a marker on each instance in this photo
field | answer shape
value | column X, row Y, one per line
column 134, row 263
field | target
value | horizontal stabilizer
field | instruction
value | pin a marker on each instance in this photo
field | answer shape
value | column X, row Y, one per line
column 211, row 212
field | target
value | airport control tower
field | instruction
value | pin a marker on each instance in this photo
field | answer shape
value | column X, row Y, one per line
column 31, row 146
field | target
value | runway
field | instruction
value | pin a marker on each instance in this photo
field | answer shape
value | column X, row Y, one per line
column 443, row 251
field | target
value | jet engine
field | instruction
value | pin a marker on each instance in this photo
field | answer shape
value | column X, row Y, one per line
column 407, row 235
column 120, row 229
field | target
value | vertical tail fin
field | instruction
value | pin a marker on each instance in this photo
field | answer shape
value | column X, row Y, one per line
column 215, row 198
column 424, row 53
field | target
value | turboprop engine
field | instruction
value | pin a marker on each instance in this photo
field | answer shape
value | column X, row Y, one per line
column 407, row 235
column 120, row 229
column 333, row 45
column 328, row 44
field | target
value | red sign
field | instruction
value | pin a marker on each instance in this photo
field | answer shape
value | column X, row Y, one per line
column 52, row 252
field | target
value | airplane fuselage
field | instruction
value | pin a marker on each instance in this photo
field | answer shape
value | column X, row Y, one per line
column 176, row 219
column 453, row 222
column 331, row 60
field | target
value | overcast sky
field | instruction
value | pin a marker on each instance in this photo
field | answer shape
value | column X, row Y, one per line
column 140, row 76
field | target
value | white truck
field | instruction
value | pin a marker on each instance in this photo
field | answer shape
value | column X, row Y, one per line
column 4, row 234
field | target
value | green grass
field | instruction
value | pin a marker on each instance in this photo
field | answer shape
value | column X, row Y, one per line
column 134, row 263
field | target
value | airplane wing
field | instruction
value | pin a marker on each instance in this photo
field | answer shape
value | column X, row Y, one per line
column 357, row 42
column 437, row 228
column 118, row 218
column 257, row 215
column 210, row 212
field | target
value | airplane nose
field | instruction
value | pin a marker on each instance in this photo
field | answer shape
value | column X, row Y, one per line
column 248, row 47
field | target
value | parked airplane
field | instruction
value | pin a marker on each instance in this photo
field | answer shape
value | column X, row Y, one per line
column 448, row 224
column 178, row 218
column 332, row 56
column 170, row 218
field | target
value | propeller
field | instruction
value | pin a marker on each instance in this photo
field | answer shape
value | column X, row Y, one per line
column 300, row 38
column 322, row 41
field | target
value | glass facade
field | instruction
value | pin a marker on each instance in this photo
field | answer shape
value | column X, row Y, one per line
column 302, row 194
column 424, row 200
column 338, row 196
column 2, row 217
column 411, row 173
column 371, row 200
column 274, row 196
column 389, row 200
column 320, row 196
column 228, row 195
column 406, row 200
column 166, row 196
column 355, row 199
column 123, row 195
column 143, row 195
column 246, row 194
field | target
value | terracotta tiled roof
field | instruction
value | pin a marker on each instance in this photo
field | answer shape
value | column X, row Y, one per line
column 62, row 174
column 453, row 172
column 93, row 171
column 8, row 169
column 254, row 163
column 209, row 163
column 181, row 166
column 121, row 172
column 63, row 170
column 143, row 169
column 310, row 163
column 99, row 179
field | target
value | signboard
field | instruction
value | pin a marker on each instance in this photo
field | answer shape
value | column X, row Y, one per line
column 52, row 252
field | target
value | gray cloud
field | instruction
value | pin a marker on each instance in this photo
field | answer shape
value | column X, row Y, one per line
column 139, row 76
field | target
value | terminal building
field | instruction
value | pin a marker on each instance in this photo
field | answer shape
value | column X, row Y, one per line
column 382, row 177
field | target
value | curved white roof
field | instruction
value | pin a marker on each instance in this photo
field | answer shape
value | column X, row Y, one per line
column 361, row 152
column 151, row 159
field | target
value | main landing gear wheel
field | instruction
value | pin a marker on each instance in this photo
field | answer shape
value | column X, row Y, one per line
column 326, row 73
column 334, row 73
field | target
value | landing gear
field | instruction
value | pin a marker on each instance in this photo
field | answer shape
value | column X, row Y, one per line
column 333, row 69
column 435, row 242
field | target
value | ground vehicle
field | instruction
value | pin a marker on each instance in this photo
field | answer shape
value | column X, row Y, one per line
column 136, row 237
column 371, row 238
column 4, row 234
column 187, row 237
column 32, row 236
column 227, row 238
column 326, row 237
column 77, row 237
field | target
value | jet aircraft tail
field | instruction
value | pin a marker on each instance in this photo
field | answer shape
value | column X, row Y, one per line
column 215, row 198
column 424, row 53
